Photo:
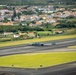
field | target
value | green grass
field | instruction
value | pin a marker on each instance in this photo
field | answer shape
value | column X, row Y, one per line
column 34, row 60
column 70, row 20
column 72, row 46
column 49, row 38
column 44, row 33
column 5, row 39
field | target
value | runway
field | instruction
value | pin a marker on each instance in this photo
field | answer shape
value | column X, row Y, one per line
column 30, row 49
column 62, row 69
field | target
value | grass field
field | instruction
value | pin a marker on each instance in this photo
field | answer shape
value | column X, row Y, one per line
column 44, row 32
column 49, row 38
column 34, row 60
column 72, row 47
column 71, row 20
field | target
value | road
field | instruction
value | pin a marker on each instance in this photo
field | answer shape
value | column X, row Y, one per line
column 63, row 69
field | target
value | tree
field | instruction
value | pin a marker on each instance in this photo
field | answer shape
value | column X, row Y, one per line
column 33, row 22
column 18, row 14
column 12, row 18
column 5, row 20
column 14, row 13
column 35, row 34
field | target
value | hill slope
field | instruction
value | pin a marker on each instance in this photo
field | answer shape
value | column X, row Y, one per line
column 32, row 1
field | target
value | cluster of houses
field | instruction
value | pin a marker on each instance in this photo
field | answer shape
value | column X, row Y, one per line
column 40, row 15
column 20, row 34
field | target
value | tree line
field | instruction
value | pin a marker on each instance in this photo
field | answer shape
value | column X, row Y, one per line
column 67, row 25
column 19, row 28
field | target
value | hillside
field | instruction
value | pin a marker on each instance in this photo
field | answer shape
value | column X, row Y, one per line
column 34, row 1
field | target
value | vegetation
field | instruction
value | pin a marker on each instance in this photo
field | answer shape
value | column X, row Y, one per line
column 35, row 60
column 21, row 2
column 19, row 28
column 14, row 14
column 28, row 12
column 69, row 23
column 37, row 2
column 72, row 47
column 5, row 39
column 71, row 20
column 44, row 33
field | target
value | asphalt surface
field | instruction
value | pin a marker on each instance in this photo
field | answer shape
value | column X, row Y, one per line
column 63, row 69
column 31, row 49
